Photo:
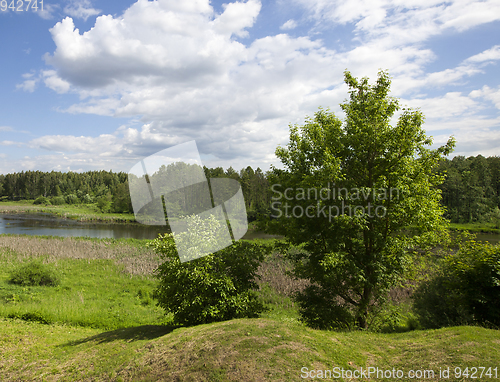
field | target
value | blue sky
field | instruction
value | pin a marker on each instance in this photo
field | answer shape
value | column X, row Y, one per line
column 99, row 85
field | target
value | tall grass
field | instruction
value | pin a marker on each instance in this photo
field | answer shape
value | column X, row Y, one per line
column 103, row 284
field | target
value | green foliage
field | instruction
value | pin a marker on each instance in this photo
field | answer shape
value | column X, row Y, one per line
column 71, row 199
column 34, row 316
column 121, row 199
column 214, row 287
column 373, row 198
column 87, row 199
column 104, row 203
column 41, row 200
column 57, row 200
column 465, row 290
column 34, row 273
column 493, row 217
column 471, row 190
column 320, row 309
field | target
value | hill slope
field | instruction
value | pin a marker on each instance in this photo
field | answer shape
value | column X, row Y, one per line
column 237, row 350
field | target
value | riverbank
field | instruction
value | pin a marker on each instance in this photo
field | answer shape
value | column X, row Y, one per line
column 475, row 227
column 78, row 212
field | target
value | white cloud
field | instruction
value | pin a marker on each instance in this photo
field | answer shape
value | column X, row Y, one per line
column 103, row 145
column 10, row 143
column 487, row 55
column 181, row 69
column 452, row 104
column 6, row 128
column 236, row 17
column 489, row 94
column 81, row 9
column 54, row 82
column 290, row 24
column 402, row 21
column 48, row 11
column 28, row 85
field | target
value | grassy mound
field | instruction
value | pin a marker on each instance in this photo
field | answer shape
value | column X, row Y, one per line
column 238, row 350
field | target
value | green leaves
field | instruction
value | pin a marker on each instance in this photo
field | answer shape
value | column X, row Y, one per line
column 215, row 287
column 381, row 191
column 466, row 290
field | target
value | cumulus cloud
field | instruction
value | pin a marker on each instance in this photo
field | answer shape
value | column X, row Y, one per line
column 187, row 72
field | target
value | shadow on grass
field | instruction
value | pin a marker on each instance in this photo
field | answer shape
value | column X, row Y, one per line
column 144, row 332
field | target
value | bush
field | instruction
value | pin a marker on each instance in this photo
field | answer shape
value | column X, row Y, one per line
column 465, row 290
column 72, row 199
column 34, row 273
column 215, row 287
column 104, row 204
column 87, row 199
column 57, row 200
column 41, row 200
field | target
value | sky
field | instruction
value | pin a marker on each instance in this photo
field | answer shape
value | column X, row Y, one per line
column 100, row 85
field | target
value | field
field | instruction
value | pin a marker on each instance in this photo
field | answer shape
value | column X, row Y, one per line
column 101, row 324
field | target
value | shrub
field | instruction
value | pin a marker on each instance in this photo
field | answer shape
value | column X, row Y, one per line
column 34, row 273
column 41, row 200
column 465, row 290
column 57, row 200
column 215, row 287
column 104, row 204
column 87, row 199
column 72, row 199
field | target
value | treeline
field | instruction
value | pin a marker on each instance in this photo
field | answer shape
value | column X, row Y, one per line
column 110, row 190
column 471, row 190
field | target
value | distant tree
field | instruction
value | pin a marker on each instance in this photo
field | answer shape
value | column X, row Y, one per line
column 121, row 199
column 375, row 199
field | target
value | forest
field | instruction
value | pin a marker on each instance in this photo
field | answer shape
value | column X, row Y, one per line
column 470, row 191
column 110, row 190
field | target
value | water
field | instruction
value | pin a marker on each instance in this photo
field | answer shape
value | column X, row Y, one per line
column 50, row 225
column 47, row 224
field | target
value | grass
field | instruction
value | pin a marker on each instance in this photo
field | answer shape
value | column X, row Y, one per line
column 79, row 212
column 238, row 350
column 103, row 283
column 474, row 227
column 101, row 324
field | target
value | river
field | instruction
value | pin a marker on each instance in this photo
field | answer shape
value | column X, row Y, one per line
column 50, row 225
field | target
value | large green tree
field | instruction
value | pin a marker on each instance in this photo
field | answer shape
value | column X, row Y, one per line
column 357, row 195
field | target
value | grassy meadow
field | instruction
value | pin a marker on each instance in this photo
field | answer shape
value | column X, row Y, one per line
column 101, row 323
